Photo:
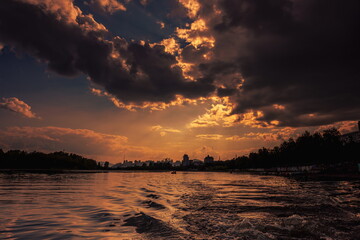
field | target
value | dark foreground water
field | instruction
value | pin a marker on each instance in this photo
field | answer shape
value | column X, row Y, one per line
column 140, row 205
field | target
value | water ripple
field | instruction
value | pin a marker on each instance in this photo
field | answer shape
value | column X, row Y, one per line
column 145, row 205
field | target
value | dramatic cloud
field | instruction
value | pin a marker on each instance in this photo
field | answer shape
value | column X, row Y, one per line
column 171, row 46
column 192, row 7
column 152, row 106
column 87, row 142
column 277, row 63
column 298, row 58
column 218, row 115
column 72, row 43
column 16, row 105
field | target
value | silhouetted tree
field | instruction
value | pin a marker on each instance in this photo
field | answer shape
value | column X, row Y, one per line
column 307, row 149
column 106, row 165
column 16, row 159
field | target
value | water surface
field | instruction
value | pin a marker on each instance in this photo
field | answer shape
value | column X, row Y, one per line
column 188, row 205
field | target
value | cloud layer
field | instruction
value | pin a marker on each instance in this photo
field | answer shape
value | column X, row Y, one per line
column 300, row 54
column 71, row 42
column 279, row 63
column 99, row 146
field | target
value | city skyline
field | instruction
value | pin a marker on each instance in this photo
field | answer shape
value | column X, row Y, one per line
column 152, row 79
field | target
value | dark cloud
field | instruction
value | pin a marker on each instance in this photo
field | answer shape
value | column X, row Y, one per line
column 153, row 77
column 223, row 92
column 256, row 15
column 66, row 47
column 132, row 72
column 191, row 54
column 302, row 54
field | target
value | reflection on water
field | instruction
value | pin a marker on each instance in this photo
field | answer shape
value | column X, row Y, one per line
column 153, row 205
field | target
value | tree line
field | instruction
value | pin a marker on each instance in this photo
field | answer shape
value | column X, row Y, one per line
column 16, row 159
column 324, row 148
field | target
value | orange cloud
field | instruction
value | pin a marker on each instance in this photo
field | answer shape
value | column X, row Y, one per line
column 107, row 6
column 236, row 138
column 210, row 136
column 197, row 35
column 163, row 130
column 250, row 118
column 66, row 11
column 170, row 44
column 274, row 135
column 217, row 115
column 152, row 106
column 279, row 107
column 57, row 133
column 192, row 6
column 187, row 69
column 16, row 105
column 343, row 126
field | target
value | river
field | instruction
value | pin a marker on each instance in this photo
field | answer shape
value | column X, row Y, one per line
column 186, row 205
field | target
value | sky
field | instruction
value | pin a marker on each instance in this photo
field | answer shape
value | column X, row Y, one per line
column 150, row 79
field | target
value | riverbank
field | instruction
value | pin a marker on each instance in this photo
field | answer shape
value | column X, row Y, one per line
column 50, row 171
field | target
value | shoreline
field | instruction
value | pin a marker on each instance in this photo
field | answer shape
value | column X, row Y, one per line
column 50, row 171
column 296, row 176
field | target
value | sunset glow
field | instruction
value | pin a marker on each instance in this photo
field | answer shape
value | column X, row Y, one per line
column 120, row 80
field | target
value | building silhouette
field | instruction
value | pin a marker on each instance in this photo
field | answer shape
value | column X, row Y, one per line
column 186, row 160
column 208, row 159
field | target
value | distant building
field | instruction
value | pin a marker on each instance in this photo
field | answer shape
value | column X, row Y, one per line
column 127, row 164
column 116, row 165
column 103, row 164
column 138, row 163
column 351, row 137
column 186, row 160
column 208, row 159
column 197, row 162
column 176, row 164
column 149, row 163
column 167, row 160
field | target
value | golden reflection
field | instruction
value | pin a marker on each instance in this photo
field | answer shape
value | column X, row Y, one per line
column 160, row 205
